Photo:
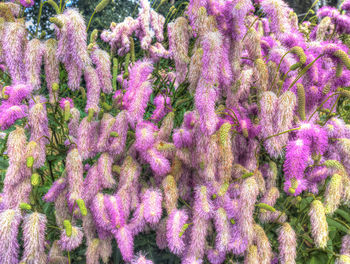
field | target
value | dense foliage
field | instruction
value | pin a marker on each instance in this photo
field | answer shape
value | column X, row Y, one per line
column 202, row 132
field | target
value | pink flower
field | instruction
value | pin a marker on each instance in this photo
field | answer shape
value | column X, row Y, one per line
column 152, row 199
column 27, row 3
column 66, row 100
column 175, row 237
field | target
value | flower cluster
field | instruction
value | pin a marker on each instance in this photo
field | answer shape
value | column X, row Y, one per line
column 206, row 180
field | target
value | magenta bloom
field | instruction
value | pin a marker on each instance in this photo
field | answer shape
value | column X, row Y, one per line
column 297, row 156
column 99, row 212
column 92, row 184
column 70, row 243
column 138, row 91
column 9, row 114
column 152, row 199
column 159, row 164
column 163, row 107
column 125, row 242
column 9, row 222
column 145, row 135
column 216, row 257
column 27, row 3
column 140, row 259
column 318, row 174
column 63, row 102
column 182, row 138
column 238, row 244
column 316, row 135
column 18, row 92
column 56, row 188
column 177, row 219
column 115, row 211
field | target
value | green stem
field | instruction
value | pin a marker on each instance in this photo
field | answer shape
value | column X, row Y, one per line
column 303, row 71
column 252, row 24
column 185, row 203
column 278, row 68
column 330, row 112
column 4, row 147
column 87, row 29
column 39, row 18
column 284, row 78
column 284, row 132
column 313, row 4
column 155, row 1
column 325, row 101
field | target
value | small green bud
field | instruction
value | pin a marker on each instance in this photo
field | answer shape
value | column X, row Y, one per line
column 106, row 106
column 67, row 227
column 184, row 228
column 300, row 53
column 232, row 221
column 339, row 70
column 55, row 87
column 247, row 175
column 266, row 207
column 223, row 189
column 115, row 73
column 30, row 162
column 214, row 196
column 93, row 36
column 333, row 164
column 116, row 169
column 100, row 114
column 35, row 179
column 295, row 66
column 3, row 95
column 82, row 207
column 43, row 34
column 101, row 5
column 291, row 191
column 224, row 133
column 114, row 134
column 25, row 206
column 56, row 21
column 301, row 101
column 343, row 57
column 66, row 111
column 90, row 114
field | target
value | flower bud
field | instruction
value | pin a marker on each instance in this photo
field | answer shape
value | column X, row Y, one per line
column 25, row 206
column 30, row 162
column 67, row 227
column 301, row 101
column 82, row 207
column 101, row 5
column 35, row 179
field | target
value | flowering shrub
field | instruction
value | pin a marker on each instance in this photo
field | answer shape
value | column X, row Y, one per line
column 237, row 152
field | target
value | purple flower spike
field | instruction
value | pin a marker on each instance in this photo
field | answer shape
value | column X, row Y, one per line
column 297, row 156
column 162, row 107
column 115, row 211
column 175, row 237
column 153, row 205
column 9, row 114
column 145, row 135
